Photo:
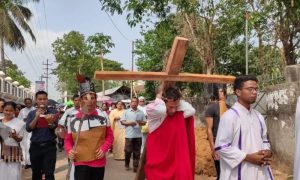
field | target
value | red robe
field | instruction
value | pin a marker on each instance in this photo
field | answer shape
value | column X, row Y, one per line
column 170, row 150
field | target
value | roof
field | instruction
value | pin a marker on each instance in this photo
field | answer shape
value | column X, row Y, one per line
column 109, row 92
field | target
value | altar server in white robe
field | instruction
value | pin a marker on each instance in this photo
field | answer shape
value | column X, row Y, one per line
column 297, row 138
column 242, row 137
column 25, row 143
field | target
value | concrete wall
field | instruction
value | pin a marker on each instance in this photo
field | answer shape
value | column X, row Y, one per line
column 281, row 104
column 281, row 107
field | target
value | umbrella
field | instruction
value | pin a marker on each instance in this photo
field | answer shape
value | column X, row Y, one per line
column 52, row 102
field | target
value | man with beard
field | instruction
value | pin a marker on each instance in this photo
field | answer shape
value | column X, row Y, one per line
column 242, row 137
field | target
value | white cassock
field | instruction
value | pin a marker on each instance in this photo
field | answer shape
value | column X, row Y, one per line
column 25, row 143
column 241, row 132
column 297, row 139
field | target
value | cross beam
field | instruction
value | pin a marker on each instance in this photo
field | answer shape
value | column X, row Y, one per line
column 162, row 76
column 171, row 74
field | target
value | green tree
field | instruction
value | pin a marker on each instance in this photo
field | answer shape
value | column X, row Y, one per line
column 14, row 18
column 74, row 54
column 153, row 52
column 16, row 74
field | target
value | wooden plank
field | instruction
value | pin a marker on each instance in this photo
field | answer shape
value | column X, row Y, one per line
column 176, row 56
column 162, row 76
column 175, row 59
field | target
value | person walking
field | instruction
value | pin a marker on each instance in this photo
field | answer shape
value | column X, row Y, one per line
column 118, row 130
column 133, row 119
column 212, row 116
column 25, row 143
column 242, row 142
column 42, row 123
column 11, row 153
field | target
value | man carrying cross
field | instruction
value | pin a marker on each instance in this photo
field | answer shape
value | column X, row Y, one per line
column 91, row 127
column 170, row 147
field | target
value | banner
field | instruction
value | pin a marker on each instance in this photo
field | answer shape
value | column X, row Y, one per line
column 40, row 86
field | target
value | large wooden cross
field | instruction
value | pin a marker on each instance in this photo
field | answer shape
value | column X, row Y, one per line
column 171, row 74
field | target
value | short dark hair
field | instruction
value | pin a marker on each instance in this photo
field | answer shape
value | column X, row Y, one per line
column 216, row 90
column 27, row 99
column 1, row 99
column 239, row 81
column 137, row 99
column 10, row 103
column 40, row 92
column 172, row 93
column 75, row 96
column 121, row 103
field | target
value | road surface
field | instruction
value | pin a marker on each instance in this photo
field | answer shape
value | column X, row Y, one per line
column 114, row 170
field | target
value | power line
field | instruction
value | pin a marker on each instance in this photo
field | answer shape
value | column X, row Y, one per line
column 111, row 20
column 34, row 70
column 46, row 22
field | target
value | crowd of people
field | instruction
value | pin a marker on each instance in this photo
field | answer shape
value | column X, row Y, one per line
column 158, row 137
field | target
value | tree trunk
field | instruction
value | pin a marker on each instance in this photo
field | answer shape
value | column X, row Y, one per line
column 288, row 46
column 289, row 53
column 2, row 59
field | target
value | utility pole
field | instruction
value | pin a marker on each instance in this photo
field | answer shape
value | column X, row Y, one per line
column 132, row 61
column 102, row 68
column 47, row 73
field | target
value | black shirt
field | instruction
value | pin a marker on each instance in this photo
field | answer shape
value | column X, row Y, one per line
column 41, row 133
column 213, row 110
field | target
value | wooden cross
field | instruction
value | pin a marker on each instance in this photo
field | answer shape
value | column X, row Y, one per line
column 171, row 74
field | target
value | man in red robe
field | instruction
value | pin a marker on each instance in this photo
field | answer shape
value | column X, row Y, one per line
column 170, row 147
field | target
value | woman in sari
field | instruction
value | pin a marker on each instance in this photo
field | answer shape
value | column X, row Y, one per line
column 11, row 153
column 118, row 130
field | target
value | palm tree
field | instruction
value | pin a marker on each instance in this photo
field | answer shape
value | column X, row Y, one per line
column 14, row 17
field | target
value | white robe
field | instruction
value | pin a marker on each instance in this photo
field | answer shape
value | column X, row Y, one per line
column 25, row 143
column 248, row 129
column 297, row 141
column 12, row 170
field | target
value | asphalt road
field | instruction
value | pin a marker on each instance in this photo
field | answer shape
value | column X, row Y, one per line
column 114, row 170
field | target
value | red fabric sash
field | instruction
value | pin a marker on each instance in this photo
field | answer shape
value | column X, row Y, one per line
column 171, row 150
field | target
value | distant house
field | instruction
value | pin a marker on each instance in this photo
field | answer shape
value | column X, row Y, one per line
column 117, row 93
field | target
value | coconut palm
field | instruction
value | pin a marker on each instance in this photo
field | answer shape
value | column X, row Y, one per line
column 14, row 17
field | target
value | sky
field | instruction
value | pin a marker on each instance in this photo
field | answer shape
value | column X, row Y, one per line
column 52, row 19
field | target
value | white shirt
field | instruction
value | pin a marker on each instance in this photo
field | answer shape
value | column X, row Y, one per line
column 297, row 139
column 19, row 127
column 24, row 112
column 241, row 132
column 143, row 109
column 157, row 112
column 67, row 114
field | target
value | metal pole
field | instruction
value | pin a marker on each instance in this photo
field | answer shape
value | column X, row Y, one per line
column 132, row 61
column 47, row 76
column 102, row 68
column 246, row 43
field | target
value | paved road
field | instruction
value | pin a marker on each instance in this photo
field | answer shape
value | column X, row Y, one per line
column 114, row 170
